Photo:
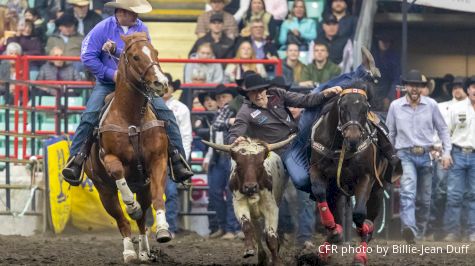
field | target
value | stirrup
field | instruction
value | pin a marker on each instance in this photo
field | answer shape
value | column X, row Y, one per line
column 183, row 163
column 71, row 163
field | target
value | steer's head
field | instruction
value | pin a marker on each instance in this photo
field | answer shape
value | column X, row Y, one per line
column 250, row 174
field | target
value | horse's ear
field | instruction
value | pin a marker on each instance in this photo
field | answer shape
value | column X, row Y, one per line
column 123, row 37
column 156, row 51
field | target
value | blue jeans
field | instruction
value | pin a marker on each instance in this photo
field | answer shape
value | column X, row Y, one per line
column 460, row 182
column 172, row 205
column 415, row 191
column 218, row 179
column 306, row 218
column 438, row 200
column 296, row 158
column 90, row 118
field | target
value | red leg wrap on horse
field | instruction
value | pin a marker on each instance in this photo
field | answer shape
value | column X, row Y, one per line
column 361, row 256
column 326, row 216
column 366, row 229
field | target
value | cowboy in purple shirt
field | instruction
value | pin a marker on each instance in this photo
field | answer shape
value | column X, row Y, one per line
column 99, row 53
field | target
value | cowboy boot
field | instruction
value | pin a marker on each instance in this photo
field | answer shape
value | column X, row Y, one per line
column 180, row 171
column 367, row 60
column 73, row 171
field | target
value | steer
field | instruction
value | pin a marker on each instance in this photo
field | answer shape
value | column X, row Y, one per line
column 257, row 182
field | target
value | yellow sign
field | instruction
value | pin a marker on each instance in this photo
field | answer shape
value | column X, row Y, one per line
column 59, row 194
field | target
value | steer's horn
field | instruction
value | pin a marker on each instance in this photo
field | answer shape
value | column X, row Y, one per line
column 220, row 147
column 281, row 144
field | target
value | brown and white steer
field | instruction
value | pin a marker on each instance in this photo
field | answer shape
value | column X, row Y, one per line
column 257, row 182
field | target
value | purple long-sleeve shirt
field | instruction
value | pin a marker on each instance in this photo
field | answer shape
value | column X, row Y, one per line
column 100, row 63
column 410, row 127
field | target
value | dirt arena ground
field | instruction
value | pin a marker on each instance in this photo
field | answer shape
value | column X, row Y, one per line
column 191, row 249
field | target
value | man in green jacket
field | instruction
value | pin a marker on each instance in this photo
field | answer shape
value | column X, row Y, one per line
column 321, row 69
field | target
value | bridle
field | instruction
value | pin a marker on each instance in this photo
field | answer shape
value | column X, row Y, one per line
column 341, row 127
column 137, row 79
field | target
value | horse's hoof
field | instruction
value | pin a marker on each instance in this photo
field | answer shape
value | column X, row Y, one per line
column 144, row 256
column 134, row 211
column 324, row 252
column 360, row 259
column 129, row 256
column 335, row 235
column 249, row 253
column 163, row 236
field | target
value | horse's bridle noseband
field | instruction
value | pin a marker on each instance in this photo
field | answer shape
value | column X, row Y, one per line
column 136, row 76
column 341, row 127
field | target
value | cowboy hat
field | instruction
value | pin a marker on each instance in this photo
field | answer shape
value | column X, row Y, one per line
column 470, row 81
column 136, row 6
column 79, row 2
column 240, row 82
column 176, row 84
column 280, row 82
column 221, row 89
column 414, row 76
column 66, row 20
column 254, row 82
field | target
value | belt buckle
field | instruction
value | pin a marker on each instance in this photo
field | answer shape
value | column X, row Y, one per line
column 467, row 150
column 417, row 150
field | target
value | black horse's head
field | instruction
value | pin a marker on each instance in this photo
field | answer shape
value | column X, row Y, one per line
column 353, row 108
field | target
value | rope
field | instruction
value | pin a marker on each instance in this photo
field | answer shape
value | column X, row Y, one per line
column 28, row 203
column 340, row 165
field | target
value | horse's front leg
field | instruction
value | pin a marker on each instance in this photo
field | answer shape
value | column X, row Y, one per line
column 364, row 227
column 335, row 231
column 115, row 169
column 157, row 186
column 144, row 198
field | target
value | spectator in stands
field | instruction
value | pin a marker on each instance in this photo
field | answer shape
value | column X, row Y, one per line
column 413, row 146
column 57, row 70
column 234, row 71
column 439, row 179
column 86, row 18
column 19, row 6
column 29, row 42
column 39, row 24
column 298, row 28
column 49, row 9
column 278, row 9
column 67, row 37
column 321, row 69
column 428, row 89
column 224, row 224
column 7, row 67
column 214, row 72
column 461, row 178
column 222, row 45
column 388, row 61
column 182, row 115
column 346, row 21
column 208, row 102
column 230, row 27
column 257, row 11
column 263, row 47
column 335, row 43
column 8, row 24
column 292, row 67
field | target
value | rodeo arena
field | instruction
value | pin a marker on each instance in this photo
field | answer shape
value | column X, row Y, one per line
column 237, row 132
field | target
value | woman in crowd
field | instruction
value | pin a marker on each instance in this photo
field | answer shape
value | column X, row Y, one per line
column 297, row 28
column 257, row 10
column 38, row 22
column 214, row 72
column 234, row 71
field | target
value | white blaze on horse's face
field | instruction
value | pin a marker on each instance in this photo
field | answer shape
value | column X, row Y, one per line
column 160, row 76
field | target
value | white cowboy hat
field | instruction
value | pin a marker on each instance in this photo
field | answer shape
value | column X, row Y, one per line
column 136, row 6
column 78, row 2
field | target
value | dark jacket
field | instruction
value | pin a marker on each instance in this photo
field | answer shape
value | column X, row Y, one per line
column 91, row 19
column 336, row 46
column 221, row 49
column 274, row 123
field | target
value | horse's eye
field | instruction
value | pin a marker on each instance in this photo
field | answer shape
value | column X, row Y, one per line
column 136, row 57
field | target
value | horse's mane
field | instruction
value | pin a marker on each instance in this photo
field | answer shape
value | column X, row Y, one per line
column 329, row 105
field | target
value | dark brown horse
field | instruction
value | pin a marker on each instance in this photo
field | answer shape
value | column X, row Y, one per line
column 346, row 161
column 131, row 135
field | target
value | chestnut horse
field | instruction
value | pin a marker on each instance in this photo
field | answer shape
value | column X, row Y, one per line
column 345, row 161
column 130, row 136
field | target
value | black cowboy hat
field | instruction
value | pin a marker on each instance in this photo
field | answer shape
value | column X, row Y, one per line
column 221, row 89
column 247, row 73
column 66, row 20
column 330, row 19
column 414, row 76
column 254, row 82
column 176, row 84
column 280, row 82
column 202, row 97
